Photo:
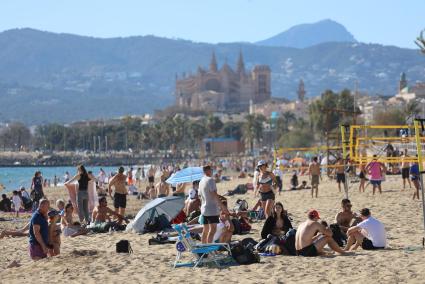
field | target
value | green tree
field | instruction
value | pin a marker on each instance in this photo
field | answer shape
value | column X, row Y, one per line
column 253, row 129
column 420, row 41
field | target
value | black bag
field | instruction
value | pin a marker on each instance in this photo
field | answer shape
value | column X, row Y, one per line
column 237, row 226
column 339, row 237
column 289, row 242
column 123, row 246
column 244, row 254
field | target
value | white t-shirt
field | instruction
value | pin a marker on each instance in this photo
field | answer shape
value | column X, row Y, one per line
column 277, row 172
column 16, row 201
column 25, row 194
column 374, row 231
column 209, row 206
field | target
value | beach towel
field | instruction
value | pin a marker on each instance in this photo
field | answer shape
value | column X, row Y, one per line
column 93, row 198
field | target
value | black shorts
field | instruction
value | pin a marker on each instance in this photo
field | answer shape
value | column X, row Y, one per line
column 211, row 220
column 308, row 251
column 340, row 178
column 267, row 195
column 151, row 179
column 368, row 245
column 162, row 195
column 120, row 200
column 361, row 175
column 405, row 173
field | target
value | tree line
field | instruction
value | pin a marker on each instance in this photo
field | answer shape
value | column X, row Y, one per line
column 180, row 132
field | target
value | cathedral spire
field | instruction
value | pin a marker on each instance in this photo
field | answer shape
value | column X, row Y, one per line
column 240, row 68
column 213, row 64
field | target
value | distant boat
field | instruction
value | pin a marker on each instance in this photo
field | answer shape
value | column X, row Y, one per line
column 17, row 163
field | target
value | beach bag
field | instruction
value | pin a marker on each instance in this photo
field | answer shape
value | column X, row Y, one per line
column 123, row 246
column 264, row 243
column 244, row 254
column 180, row 218
column 241, row 205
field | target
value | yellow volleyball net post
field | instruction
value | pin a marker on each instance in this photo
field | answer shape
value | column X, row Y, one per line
column 345, row 144
column 419, row 132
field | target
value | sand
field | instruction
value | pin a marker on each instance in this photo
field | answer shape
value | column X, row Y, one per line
column 90, row 259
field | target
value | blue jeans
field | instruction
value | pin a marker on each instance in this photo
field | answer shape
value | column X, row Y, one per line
column 83, row 205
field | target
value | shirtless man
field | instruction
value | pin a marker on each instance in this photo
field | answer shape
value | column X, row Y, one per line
column 311, row 237
column 314, row 174
column 180, row 191
column 405, row 167
column 120, row 196
column 151, row 175
column 102, row 213
column 340, row 174
column 162, row 188
column 345, row 217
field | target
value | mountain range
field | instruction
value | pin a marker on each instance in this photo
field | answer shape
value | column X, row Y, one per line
column 49, row 77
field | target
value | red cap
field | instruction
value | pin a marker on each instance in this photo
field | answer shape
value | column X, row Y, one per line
column 313, row 214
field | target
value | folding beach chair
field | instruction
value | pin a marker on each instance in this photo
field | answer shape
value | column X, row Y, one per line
column 202, row 253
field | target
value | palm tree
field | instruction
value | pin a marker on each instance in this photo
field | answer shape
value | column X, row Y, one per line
column 411, row 109
column 420, row 41
column 253, row 129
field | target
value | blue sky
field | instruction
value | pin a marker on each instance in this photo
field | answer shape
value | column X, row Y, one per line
column 390, row 22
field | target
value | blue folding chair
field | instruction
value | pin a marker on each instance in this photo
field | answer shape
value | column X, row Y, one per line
column 202, row 253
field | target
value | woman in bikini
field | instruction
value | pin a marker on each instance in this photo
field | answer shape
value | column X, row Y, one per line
column 265, row 183
column 362, row 177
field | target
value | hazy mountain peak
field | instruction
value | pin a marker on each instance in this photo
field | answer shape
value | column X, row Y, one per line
column 306, row 35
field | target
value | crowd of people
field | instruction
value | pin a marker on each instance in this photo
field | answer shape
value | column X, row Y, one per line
column 203, row 206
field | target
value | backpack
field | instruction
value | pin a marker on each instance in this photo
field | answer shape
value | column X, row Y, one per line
column 339, row 237
column 244, row 254
column 241, row 205
column 289, row 242
column 123, row 246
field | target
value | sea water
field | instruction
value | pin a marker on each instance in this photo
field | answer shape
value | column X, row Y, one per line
column 12, row 178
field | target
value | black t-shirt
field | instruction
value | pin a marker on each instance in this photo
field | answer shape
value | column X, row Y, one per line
column 83, row 182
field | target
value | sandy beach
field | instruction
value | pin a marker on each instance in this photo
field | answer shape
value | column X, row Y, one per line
column 92, row 258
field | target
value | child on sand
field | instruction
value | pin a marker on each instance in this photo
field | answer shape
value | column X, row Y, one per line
column 54, row 232
column 17, row 202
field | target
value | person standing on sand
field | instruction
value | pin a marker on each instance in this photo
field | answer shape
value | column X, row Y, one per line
column 83, row 196
column 266, row 181
column 162, row 188
column 120, row 195
column 415, row 177
column 376, row 171
column 39, row 232
column 210, row 206
column 314, row 174
column 151, row 175
column 312, row 237
column 405, row 169
column 138, row 177
column 36, row 190
column 340, row 174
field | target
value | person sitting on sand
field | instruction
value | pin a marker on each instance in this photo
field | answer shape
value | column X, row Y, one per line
column 162, row 188
column 39, row 232
column 370, row 234
column 225, row 227
column 180, row 191
column 23, row 232
column 5, row 203
column 277, row 224
column 193, row 203
column 312, row 236
column 54, row 232
column 102, row 217
column 345, row 217
column 69, row 227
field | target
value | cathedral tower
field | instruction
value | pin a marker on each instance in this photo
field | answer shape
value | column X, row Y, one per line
column 301, row 91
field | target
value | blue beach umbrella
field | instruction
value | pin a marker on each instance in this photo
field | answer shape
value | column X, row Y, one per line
column 189, row 174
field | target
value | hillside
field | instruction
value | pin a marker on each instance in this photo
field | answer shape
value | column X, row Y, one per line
column 46, row 77
column 307, row 35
